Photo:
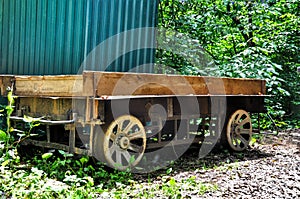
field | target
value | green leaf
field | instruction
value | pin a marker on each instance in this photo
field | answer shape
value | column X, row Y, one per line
column 84, row 160
column 169, row 170
column 30, row 119
column 5, row 163
column 3, row 136
column 65, row 154
column 62, row 152
column 46, row 156
column 172, row 182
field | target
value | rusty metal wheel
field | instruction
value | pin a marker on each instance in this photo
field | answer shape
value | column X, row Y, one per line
column 239, row 130
column 123, row 144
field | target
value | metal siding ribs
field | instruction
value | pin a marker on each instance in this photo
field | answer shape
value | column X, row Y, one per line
column 40, row 37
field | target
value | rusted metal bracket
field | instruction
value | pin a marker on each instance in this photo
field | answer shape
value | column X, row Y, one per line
column 274, row 125
column 55, row 146
column 258, row 131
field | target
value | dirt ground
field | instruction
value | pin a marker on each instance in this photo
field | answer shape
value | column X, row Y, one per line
column 270, row 168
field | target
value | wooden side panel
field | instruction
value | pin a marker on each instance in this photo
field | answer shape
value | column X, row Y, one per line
column 49, row 86
column 112, row 84
column 137, row 84
column 1, row 86
column 56, row 109
column 244, row 86
column 116, row 84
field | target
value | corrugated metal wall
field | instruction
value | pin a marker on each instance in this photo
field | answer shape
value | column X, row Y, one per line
column 50, row 37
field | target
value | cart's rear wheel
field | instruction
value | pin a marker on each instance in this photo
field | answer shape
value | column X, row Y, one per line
column 239, row 130
column 123, row 144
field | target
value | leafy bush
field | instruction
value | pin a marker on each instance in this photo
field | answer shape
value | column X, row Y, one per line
column 246, row 39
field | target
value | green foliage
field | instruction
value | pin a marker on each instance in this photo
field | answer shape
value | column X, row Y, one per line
column 10, row 137
column 176, row 189
column 246, row 39
column 65, row 165
column 31, row 122
column 36, row 184
column 3, row 136
column 63, row 175
column 8, row 153
column 57, row 175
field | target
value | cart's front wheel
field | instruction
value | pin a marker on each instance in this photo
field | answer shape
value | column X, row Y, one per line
column 123, row 144
column 239, row 130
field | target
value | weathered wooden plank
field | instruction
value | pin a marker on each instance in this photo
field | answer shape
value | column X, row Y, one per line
column 55, row 146
column 113, row 84
column 51, row 86
column 116, row 84
column 1, row 86
column 5, row 81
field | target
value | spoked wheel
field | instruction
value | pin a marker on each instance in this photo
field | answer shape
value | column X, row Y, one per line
column 123, row 144
column 239, row 130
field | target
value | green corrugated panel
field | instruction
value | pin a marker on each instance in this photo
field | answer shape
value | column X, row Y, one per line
column 50, row 37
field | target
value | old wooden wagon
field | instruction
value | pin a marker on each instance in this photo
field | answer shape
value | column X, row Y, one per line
column 117, row 116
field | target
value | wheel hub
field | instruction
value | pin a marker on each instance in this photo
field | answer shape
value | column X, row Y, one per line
column 123, row 142
column 237, row 130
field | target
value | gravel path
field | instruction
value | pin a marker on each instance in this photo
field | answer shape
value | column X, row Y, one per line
column 270, row 169
column 277, row 175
